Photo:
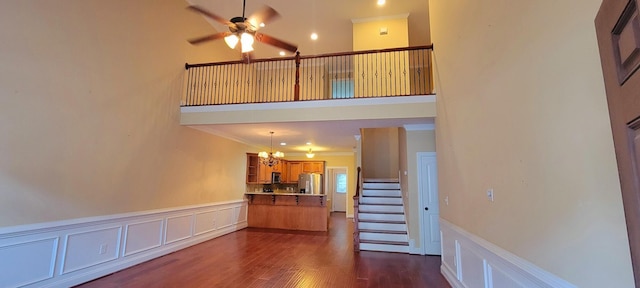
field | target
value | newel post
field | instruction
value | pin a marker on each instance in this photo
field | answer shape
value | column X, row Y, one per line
column 296, row 87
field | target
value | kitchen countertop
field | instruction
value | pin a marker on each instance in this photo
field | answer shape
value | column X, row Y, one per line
column 283, row 194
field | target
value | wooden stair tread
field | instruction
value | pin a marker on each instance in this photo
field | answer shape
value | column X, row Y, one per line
column 382, row 231
column 381, row 212
column 378, row 204
column 384, row 242
column 381, row 180
column 381, row 221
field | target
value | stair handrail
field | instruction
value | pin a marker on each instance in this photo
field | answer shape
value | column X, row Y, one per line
column 356, row 202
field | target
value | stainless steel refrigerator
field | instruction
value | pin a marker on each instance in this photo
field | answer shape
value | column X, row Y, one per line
column 310, row 183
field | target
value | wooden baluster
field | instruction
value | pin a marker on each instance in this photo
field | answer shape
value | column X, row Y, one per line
column 296, row 87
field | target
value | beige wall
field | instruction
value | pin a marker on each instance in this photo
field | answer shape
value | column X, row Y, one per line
column 366, row 35
column 417, row 141
column 347, row 161
column 522, row 110
column 89, row 111
column 380, row 153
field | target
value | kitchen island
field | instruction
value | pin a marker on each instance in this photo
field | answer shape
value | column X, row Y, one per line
column 291, row 211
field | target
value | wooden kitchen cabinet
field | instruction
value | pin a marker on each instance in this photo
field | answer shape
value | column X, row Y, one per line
column 258, row 173
column 253, row 165
column 313, row 167
column 265, row 174
column 295, row 168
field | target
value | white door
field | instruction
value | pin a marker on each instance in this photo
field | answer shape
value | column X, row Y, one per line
column 428, row 194
column 338, row 185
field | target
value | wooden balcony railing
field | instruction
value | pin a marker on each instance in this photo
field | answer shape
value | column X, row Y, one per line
column 373, row 73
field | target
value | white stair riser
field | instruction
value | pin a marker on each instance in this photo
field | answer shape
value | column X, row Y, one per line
column 380, row 217
column 380, row 208
column 380, row 185
column 384, row 237
column 380, row 200
column 384, row 248
column 383, row 193
column 382, row 226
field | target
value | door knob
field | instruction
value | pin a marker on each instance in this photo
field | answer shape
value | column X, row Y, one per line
column 426, row 208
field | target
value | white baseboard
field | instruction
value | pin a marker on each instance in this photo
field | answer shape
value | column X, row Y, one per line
column 71, row 252
column 470, row 261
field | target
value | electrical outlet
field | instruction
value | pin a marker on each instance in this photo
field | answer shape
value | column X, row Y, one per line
column 446, row 200
column 490, row 194
column 103, row 249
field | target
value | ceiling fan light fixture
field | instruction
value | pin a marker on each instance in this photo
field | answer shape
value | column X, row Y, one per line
column 246, row 40
column 231, row 40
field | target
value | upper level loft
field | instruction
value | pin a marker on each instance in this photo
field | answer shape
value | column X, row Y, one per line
column 375, row 84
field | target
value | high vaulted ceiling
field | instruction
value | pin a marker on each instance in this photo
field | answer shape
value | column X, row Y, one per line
column 330, row 19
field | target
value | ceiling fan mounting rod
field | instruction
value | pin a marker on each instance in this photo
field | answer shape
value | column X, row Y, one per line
column 244, row 3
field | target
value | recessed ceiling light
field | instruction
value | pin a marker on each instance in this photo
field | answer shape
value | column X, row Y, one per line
column 283, row 143
column 314, row 36
column 381, row 2
column 281, row 53
column 308, row 143
column 262, row 24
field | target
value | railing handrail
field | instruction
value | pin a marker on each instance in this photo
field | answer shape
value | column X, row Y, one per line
column 356, row 204
column 409, row 48
column 358, row 182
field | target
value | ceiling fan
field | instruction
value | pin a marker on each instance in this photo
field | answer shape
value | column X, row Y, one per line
column 244, row 30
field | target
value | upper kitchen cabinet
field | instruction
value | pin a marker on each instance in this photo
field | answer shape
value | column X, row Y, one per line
column 253, row 164
column 313, row 167
column 294, row 169
column 258, row 173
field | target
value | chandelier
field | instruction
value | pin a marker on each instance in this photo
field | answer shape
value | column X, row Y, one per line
column 270, row 159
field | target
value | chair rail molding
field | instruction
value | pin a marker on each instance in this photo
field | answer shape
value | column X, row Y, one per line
column 470, row 261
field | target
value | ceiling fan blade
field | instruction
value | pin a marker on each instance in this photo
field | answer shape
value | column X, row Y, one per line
column 209, row 14
column 265, row 15
column 209, row 37
column 275, row 42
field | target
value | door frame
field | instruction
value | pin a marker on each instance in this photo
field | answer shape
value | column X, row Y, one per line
column 423, row 240
column 621, row 79
column 329, row 174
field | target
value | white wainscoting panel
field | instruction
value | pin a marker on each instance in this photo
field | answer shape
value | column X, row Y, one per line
column 224, row 217
column 71, row 252
column 27, row 262
column 88, row 248
column 241, row 213
column 205, row 222
column 178, row 228
column 469, row 261
column 142, row 236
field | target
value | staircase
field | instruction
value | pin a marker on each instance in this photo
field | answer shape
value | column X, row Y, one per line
column 381, row 220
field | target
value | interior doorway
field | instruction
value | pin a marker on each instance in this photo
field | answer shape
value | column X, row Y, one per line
column 337, row 184
column 428, row 196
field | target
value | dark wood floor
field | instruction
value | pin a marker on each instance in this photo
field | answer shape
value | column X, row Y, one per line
column 267, row 258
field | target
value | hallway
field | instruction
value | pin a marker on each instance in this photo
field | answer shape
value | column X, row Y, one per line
column 274, row 258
